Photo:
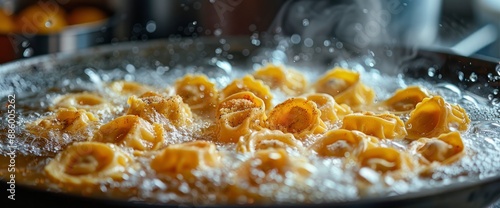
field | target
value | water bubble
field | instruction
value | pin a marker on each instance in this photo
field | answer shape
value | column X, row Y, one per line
column 25, row 44
column 461, row 76
column 495, row 101
column 295, row 39
column 218, row 50
column 370, row 62
column 327, row 43
column 217, row 32
column 130, row 68
column 308, row 42
column 431, row 72
column 496, row 91
column 473, row 77
column 498, row 69
column 339, row 45
column 28, row 52
column 49, row 23
column 331, row 49
column 305, row 22
column 255, row 42
column 151, row 26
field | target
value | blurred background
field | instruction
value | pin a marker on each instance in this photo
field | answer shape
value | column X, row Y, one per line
column 34, row 27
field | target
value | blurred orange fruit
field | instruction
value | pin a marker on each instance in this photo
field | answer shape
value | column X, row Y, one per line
column 85, row 14
column 41, row 19
column 6, row 22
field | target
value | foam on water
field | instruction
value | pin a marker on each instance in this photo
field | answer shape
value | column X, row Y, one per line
column 330, row 180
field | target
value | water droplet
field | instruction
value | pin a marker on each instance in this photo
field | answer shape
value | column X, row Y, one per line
column 370, row 62
column 339, row 45
column 255, row 42
column 431, row 72
column 331, row 49
column 217, row 32
column 151, row 26
column 28, row 52
column 495, row 102
column 498, row 69
column 327, row 43
column 130, row 68
column 308, row 42
column 388, row 53
column 296, row 39
column 461, row 76
column 25, row 44
column 473, row 77
column 496, row 91
column 49, row 23
column 305, row 22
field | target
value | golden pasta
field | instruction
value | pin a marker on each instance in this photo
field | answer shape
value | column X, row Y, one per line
column 265, row 138
column 433, row 117
column 131, row 131
column 248, row 83
column 199, row 93
column 343, row 143
column 379, row 125
column 129, row 88
column 345, row 86
column 88, row 163
column 82, row 100
column 287, row 80
column 331, row 111
column 238, row 115
column 186, row 157
column 404, row 100
column 159, row 109
column 297, row 116
column 384, row 159
column 445, row 149
column 70, row 121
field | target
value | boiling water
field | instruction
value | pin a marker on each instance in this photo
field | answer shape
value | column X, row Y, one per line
column 329, row 182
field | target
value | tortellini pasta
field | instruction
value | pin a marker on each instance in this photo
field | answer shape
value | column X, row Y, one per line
column 70, row 121
column 159, row 109
column 265, row 139
column 248, row 83
column 238, row 115
column 384, row 159
column 343, row 143
column 404, row 100
column 345, row 86
column 88, row 163
column 185, row 157
column 331, row 111
column 444, row 149
column 297, row 116
column 287, row 80
column 131, row 131
column 434, row 116
column 83, row 100
column 379, row 125
column 129, row 88
column 199, row 93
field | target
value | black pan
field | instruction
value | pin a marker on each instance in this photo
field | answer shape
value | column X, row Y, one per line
column 25, row 78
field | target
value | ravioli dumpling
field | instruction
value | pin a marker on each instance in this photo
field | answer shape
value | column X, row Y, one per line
column 128, row 88
column 199, row 93
column 298, row 116
column 131, row 131
column 84, row 100
column 185, row 157
column 238, row 115
column 248, row 83
column 444, row 149
column 433, row 117
column 384, row 159
column 287, row 80
column 343, row 143
column 265, row 138
column 71, row 121
column 383, row 126
column 404, row 100
column 160, row 109
column 345, row 86
column 331, row 111
column 88, row 163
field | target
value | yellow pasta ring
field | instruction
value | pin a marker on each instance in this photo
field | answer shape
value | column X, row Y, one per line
column 199, row 93
column 297, row 116
column 265, row 139
column 163, row 110
column 339, row 142
column 88, row 163
column 381, row 159
column 379, row 125
column 131, row 131
column 433, row 117
column 404, row 100
column 330, row 110
column 445, row 149
column 248, row 83
column 238, row 115
column 287, row 80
